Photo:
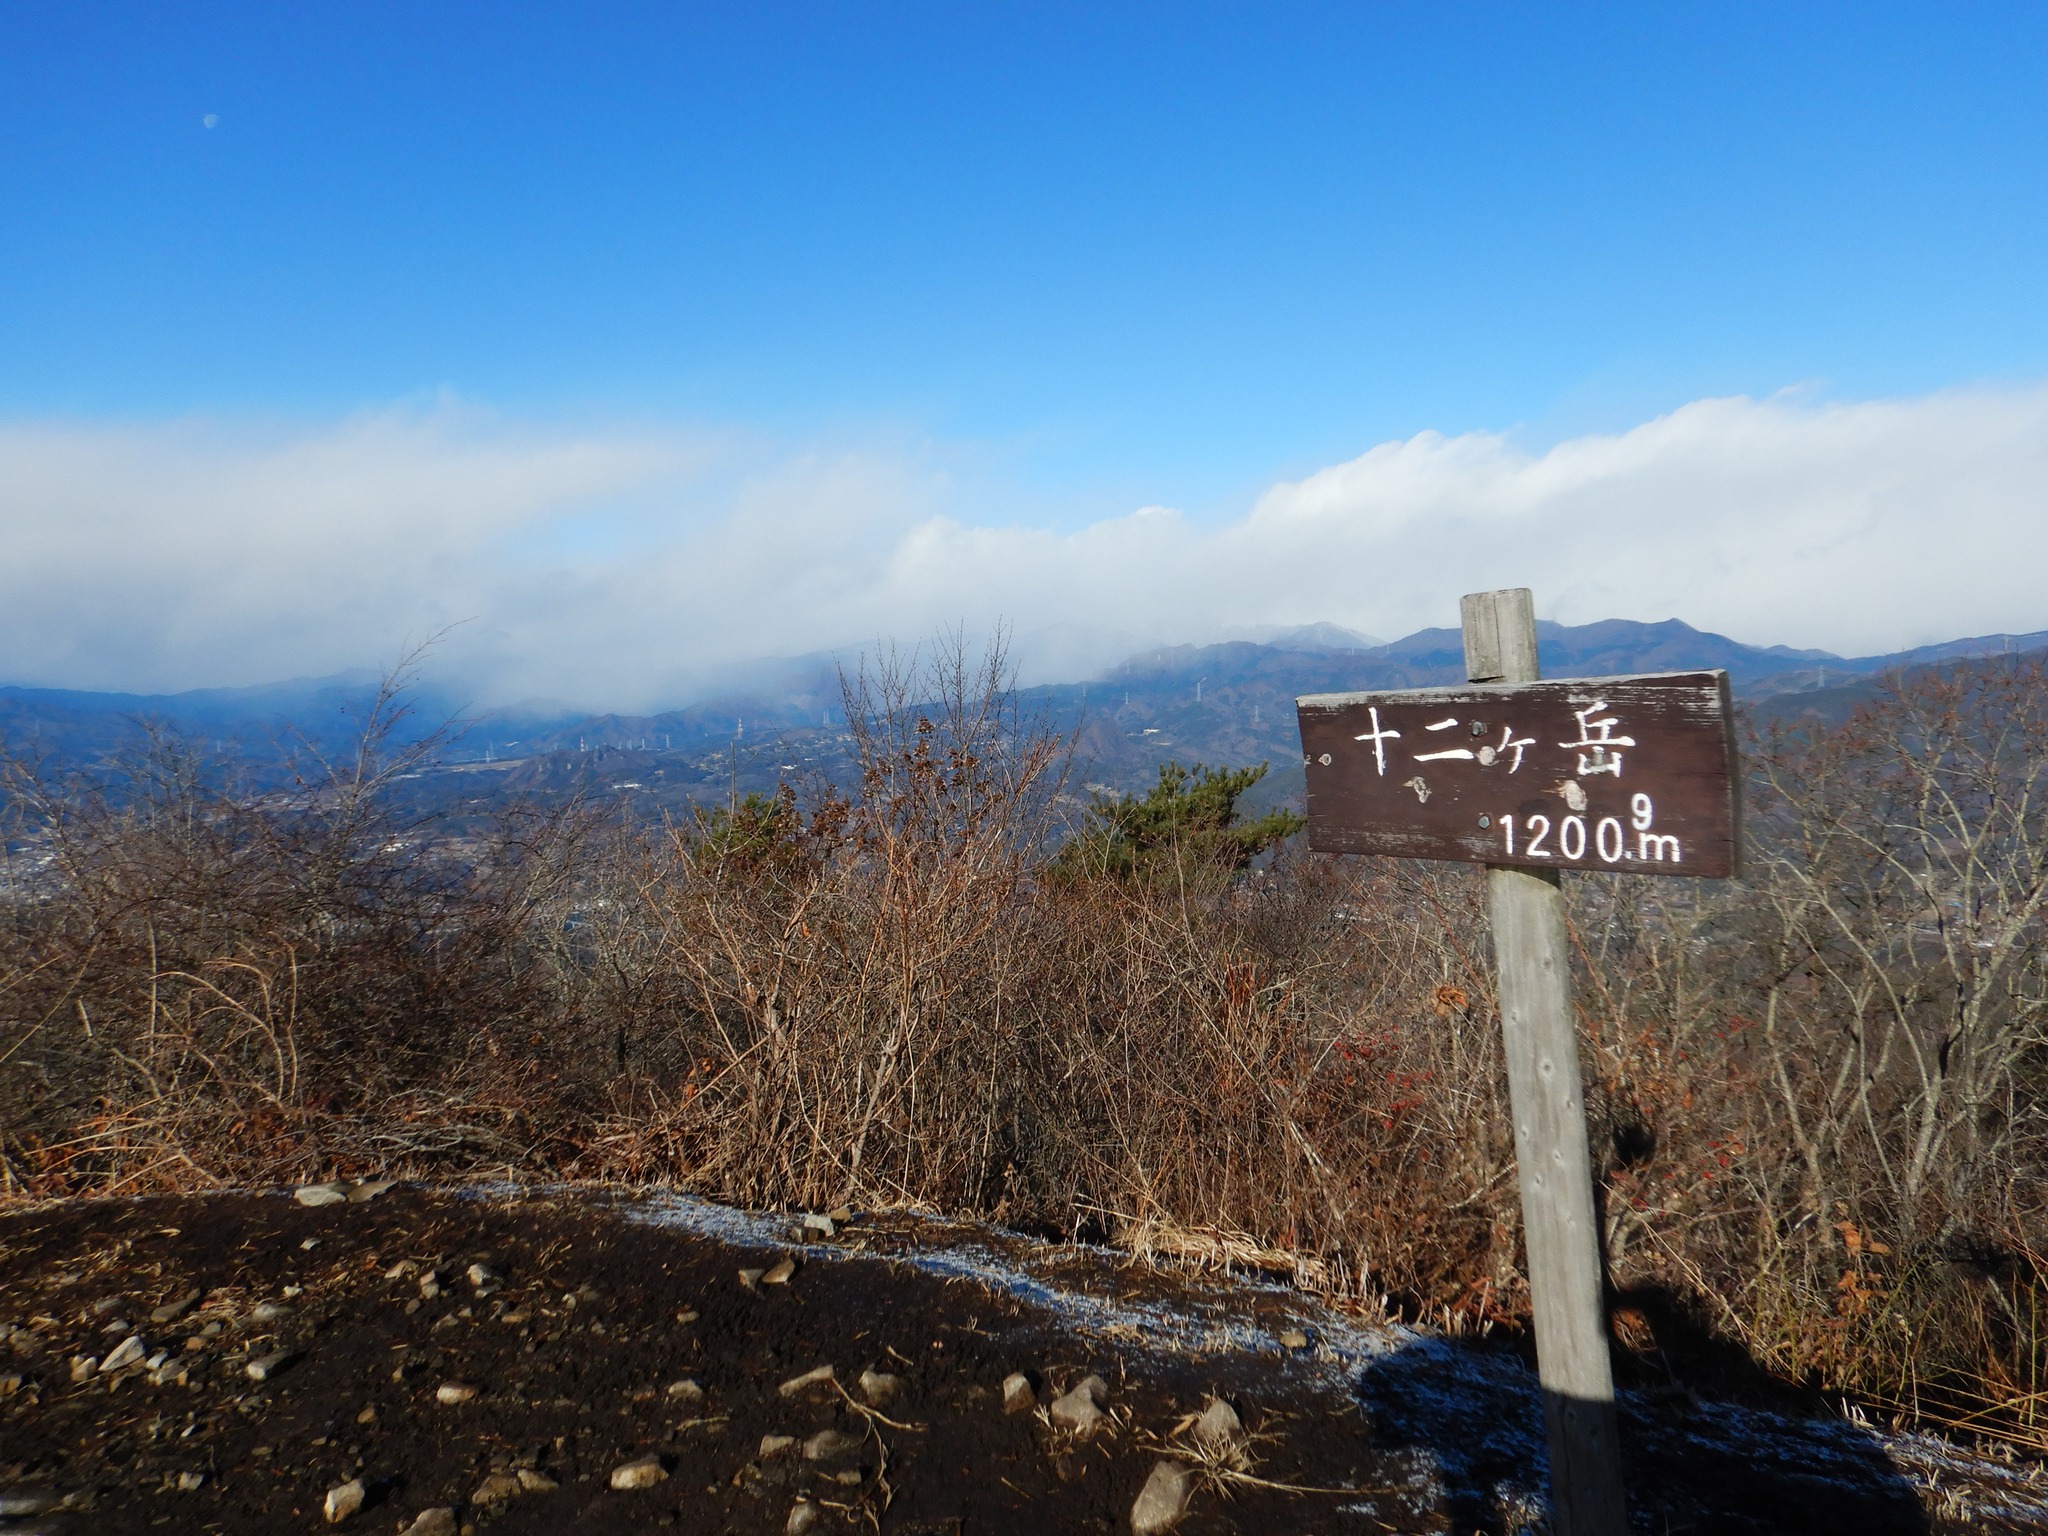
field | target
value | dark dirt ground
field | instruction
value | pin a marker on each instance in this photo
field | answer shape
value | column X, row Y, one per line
column 598, row 1309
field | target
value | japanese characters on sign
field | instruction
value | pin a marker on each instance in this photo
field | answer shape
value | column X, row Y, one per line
column 1632, row 774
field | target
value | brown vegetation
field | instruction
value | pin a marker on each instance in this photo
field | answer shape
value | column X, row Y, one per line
column 1819, row 1089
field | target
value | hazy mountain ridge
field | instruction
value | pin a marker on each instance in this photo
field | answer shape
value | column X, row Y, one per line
column 1228, row 704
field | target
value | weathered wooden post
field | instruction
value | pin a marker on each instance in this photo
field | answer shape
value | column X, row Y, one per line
column 1559, row 1222
column 1625, row 774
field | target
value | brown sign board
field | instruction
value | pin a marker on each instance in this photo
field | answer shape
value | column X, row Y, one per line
column 1632, row 775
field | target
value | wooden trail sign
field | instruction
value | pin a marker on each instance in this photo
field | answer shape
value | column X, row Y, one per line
column 1628, row 774
column 1631, row 775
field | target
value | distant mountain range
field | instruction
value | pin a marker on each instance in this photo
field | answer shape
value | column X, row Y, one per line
column 1309, row 637
column 1233, row 704
column 1229, row 704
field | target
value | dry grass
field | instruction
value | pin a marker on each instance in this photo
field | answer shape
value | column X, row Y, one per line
column 1819, row 1091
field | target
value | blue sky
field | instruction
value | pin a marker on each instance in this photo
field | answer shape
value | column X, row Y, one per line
column 1058, row 262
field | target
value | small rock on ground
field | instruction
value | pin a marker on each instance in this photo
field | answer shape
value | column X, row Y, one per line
column 171, row 1311
column 1219, row 1428
column 830, row 1445
column 1163, row 1501
column 803, row 1517
column 639, row 1474
column 818, row 1376
column 1018, row 1393
column 879, row 1387
column 780, row 1274
column 263, row 1367
column 369, row 1190
column 497, row 1488
column 1293, row 1338
column 343, row 1501
column 329, row 1193
column 450, row 1393
column 433, row 1522
column 1079, row 1412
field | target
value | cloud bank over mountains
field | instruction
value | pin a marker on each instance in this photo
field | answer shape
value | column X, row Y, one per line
column 624, row 566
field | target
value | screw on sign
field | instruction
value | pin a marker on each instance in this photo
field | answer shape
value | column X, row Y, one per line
column 1624, row 774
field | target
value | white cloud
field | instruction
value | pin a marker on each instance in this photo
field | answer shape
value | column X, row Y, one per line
column 1860, row 528
column 622, row 566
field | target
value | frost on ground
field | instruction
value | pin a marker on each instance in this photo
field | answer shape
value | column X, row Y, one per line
column 1468, row 1421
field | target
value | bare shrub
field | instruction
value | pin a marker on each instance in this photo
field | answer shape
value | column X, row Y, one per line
column 838, row 980
column 210, row 983
column 893, row 997
column 1825, row 1083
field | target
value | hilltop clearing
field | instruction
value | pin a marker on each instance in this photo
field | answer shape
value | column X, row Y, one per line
column 501, row 1356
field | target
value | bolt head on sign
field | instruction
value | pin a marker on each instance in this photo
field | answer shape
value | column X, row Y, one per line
column 1631, row 775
